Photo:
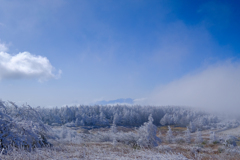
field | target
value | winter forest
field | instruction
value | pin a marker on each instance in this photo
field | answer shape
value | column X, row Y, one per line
column 116, row 132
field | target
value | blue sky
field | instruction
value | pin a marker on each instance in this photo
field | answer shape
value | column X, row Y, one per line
column 79, row 52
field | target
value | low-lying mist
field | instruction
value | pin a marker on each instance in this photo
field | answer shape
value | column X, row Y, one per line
column 214, row 89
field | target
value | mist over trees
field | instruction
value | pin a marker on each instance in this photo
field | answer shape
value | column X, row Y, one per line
column 120, row 115
column 132, row 116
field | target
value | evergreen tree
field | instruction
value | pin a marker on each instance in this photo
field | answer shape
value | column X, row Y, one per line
column 165, row 120
column 192, row 127
column 212, row 137
column 77, row 122
column 114, row 131
column 147, row 134
column 199, row 137
column 115, row 119
column 169, row 136
column 187, row 136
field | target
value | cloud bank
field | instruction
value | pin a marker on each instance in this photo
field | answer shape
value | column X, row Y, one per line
column 25, row 65
column 217, row 88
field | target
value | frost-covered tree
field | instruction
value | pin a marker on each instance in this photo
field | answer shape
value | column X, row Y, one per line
column 64, row 132
column 167, row 119
column 102, row 119
column 176, row 118
column 114, row 131
column 212, row 137
column 78, row 122
column 230, row 140
column 169, row 136
column 116, row 119
column 188, row 136
column 86, row 119
column 114, row 128
column 67, row 114
column 21, row 127
column 82, row 123
column 199, row 138
column 192, row 127
column 148, row 134
column 128, row 116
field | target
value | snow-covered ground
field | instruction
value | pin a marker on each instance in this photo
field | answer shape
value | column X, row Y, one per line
column 232, row 131
column 108, row 151
column 94, row 132
column 92, row 151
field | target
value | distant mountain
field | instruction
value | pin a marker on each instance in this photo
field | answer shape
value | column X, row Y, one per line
column 117, row 101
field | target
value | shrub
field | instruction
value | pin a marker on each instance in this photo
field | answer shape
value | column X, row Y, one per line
column 147, row 134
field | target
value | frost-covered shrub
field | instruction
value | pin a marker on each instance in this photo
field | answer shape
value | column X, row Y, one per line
column 79, row 122
column 213, row 138
column 231, row 141
column 65, row 134
column 128, row 138
column 114, row 128
column 114, row 131
column 199, row 138
column 188, row 136
column 169, row 136
column 192, row 127
column 22, row 127
column 167, row 120
column 147, row 134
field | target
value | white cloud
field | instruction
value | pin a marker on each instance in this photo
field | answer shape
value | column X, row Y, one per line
column 25, row 65
column 216, row 88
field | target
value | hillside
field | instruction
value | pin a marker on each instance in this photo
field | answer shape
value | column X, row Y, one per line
column 116, row 132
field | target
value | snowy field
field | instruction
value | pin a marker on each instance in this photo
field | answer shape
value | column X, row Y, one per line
column 232, row 131
column 67, row 148
column 115, row 132
column 99, row 151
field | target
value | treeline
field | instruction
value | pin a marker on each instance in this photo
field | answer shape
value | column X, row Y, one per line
column 122, row 115
column 132, row 116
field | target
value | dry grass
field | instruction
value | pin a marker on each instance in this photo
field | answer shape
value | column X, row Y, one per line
column 173, row 127
column 106, row 150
